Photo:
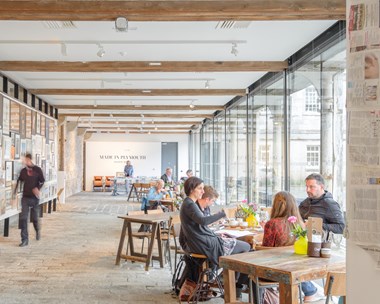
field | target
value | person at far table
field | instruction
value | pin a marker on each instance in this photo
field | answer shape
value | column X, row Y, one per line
column 156, row 193
column 277, row 233
column 196, row 236
column 189, row 173
column 167, row 177
column 320, row 203
column 33, row 180
column 128, row 169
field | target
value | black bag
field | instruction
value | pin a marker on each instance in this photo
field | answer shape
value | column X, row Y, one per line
column 187, row 268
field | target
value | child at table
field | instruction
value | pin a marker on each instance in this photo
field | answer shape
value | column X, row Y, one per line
column 277, row 234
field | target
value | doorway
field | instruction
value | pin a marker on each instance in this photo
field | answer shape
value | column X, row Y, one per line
column 169, row 157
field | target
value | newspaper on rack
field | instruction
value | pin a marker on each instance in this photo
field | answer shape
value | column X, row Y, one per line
column 363, row 125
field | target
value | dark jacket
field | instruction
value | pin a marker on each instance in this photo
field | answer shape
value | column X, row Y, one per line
column 195, row 236
column 165, row 178
column 326, row 208
column 32, row 178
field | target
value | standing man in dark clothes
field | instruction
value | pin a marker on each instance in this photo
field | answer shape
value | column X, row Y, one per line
column 320, row 203
column 33, row 180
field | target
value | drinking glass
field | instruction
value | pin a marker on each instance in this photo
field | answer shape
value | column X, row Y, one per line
column 337, row 239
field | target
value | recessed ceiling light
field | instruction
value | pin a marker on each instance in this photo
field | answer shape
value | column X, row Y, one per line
column 147, row 91
column 155, row 63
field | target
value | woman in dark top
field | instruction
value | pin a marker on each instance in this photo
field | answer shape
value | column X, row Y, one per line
column 197, row 237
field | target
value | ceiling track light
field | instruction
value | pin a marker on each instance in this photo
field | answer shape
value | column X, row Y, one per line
column 95, row 104
column 63, row 49
column 234, row 50
column 192, row 106
column 101, row 52
column 207, row 84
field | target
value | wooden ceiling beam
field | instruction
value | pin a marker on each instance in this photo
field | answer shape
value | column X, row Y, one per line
column 142, row 108
column 169, row 10
column 144, row 66
column 135, row 92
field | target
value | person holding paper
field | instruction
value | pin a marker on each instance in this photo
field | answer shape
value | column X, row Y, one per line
column 277, row 233
column 320, row 203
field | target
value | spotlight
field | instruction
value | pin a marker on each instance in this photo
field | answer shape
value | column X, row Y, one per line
column 207, row 84
column 121, row 24
column 155, row 128
column 95, row 104
column 101, row 52
column 192, row 106
column 234, row 50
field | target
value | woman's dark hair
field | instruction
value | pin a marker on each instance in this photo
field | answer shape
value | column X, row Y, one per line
column 191, row 183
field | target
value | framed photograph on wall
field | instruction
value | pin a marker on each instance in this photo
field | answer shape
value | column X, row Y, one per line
column 43, row 125
column 8, row 173
column 28, row 146
column 17, row 166
column 22, row 121
column 17, row 146
column 38, row 123
column 33, row 116
column 1, row 110
column 28, row 123
column 7, row 147
column 38, row 160
column 43, row 148
column 6, row 116
column 23, row 147
column 15, row 116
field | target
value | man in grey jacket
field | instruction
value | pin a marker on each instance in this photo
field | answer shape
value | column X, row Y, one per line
column 320, row 203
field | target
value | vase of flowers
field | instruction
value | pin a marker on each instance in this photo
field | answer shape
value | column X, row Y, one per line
column 248, row 212
column 300, row 245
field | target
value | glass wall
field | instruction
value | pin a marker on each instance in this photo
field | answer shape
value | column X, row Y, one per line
column 291, row 124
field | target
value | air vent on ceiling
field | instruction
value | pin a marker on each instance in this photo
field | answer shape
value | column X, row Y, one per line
column 230, row 24
column 59, row 25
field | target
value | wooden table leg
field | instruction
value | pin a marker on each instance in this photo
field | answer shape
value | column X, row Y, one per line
column 288, row 294
column 159, row 243
column 151, row 245
column 229, row 286
column 121, row 243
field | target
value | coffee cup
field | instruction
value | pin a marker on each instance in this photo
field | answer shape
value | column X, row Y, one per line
column 244, row 224
column 234, row 223
column 325, row 252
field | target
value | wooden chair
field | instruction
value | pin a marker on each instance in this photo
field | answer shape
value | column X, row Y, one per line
column 335, row 285
column 175, row 228
column 58, row 198
column 143, row 190
column 141, row 235
column 97, row 183
column 230, row 211
column 264, row 284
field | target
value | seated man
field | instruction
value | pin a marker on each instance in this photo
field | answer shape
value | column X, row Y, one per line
column 320, row 203
column 189, row 173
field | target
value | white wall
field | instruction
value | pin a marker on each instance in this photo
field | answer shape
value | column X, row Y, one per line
column 136, row 144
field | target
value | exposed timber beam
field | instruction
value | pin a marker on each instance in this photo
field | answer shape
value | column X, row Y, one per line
column 147, row 92
column 142, row 108
column 144, row 66
column 169, row 10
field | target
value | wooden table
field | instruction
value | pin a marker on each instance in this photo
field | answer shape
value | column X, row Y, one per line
column 151, row 219
column 279, row 264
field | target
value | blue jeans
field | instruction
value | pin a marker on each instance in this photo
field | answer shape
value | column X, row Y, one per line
column 308, row 288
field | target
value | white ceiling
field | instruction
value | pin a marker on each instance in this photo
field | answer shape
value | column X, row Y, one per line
column 149, row 41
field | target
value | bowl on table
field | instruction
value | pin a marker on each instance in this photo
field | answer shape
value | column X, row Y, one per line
column 244, row 225
column 234, row 223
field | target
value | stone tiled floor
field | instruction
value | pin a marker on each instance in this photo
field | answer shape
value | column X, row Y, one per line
column 74, row 262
